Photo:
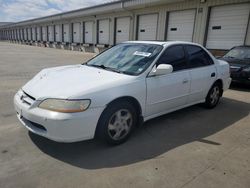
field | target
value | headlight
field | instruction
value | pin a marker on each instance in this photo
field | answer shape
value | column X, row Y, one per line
column 65, row 106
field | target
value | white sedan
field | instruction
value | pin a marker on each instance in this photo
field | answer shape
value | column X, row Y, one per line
column 112, row 93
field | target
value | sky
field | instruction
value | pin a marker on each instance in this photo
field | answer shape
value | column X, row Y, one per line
column 18, row 10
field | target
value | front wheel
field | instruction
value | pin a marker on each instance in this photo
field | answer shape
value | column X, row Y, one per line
column 117, row 122
column 213, row 96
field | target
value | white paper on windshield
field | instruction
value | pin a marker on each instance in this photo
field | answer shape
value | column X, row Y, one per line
column 144, row 54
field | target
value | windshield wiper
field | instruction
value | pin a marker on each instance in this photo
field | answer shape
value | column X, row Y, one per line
column 106, row 68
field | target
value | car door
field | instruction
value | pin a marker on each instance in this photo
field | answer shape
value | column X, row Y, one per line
column 202, row 72
column 168, row 92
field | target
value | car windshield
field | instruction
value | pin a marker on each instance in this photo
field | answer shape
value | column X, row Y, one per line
column 239, row 53
column 127, row 58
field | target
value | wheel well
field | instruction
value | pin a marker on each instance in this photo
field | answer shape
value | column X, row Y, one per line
column 131, row 100
column 219, row 81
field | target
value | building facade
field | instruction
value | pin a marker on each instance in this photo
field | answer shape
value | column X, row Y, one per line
column 216, row 24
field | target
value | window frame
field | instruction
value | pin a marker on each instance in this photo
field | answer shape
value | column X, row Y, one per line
column 188, row 57
column 185, row 57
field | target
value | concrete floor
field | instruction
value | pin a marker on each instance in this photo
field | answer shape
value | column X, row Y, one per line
column 193, row 147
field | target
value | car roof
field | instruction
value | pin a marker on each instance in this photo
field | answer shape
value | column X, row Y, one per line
column 163, row 43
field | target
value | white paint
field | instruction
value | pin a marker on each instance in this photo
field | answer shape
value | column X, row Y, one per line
column 88, row 33
column 147, row 28
column 76, row 32
column 181, row 25
column 103, row 31
column 227, row 26
column 122, row 29
column 57, row 33
column 156, row 95
column 51, row 33
column 65, row 32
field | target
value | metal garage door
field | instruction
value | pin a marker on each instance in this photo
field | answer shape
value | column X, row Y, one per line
column 181, row 25
column 147, row 27
column 227, row 26
column 29, row 33
column 25, row 34
column 57, row 33
column 38, row 31
column 76, row 32
column 33, row 33
column 51, row 33
column 44, row 33
column 122, row 29
column 88, row 34
column 65, row 32
column 103, row 32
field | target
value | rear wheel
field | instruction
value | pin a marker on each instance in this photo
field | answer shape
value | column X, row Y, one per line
column 213, row 96
column 117, row 122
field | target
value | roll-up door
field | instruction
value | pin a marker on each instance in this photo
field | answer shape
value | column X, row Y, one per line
column 147, row 27
column 181, row 25
column 227, row 26
column 33, row 33
column 51, row 33
column 25, row 34
column 122, row 29
column 38, row 31
column 103, row 31
column 76, row 32
column 65, row 32
column 29, row 33
column 57, row 33
column 88, row 32
column 44, row 33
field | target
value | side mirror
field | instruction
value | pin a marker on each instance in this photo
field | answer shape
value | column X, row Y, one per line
column 161, row 69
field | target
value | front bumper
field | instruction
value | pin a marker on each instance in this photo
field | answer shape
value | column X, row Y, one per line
column 60, row 127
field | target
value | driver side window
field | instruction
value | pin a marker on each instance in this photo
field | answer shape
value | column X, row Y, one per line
column 174, row 56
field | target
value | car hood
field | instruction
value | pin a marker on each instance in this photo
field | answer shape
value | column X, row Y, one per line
column 72, row 82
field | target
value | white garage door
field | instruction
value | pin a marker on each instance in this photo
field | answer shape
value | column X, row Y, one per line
column 227, row 26
column 88, row 34
column 44, row 33
column 29, row 33
column 181, row 25
column 51, row 33
column 103, row 31
column 38, row 31
column 25, row 34
column 33, row 33
column 65, row 32
column 57, row 33
column 147, row 28
column 122, row 29
column 76, row 32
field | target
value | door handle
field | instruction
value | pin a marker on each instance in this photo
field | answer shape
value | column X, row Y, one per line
column 213, row 74
column 185, row 81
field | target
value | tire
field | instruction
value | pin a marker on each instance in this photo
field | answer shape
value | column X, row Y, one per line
column 117, row 122
column 213, row 96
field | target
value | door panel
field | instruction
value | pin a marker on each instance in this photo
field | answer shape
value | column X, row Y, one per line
column 201, row 81
column 167, row 92
column 89, row 32
column 104, row 31
column 122, row 29
column 181, row 25
column 147, row 27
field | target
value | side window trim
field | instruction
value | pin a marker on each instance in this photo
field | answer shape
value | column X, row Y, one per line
column 188, row 57
column 185, row 54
